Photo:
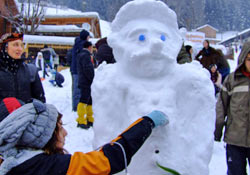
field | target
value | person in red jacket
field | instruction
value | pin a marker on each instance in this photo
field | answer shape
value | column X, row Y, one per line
column 34, row 144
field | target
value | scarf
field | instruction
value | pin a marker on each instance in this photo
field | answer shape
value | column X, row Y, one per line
column 15, row 157
column 7, row 61
column 247, row 74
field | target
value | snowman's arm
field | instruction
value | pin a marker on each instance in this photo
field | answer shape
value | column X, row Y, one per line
column 110, row 159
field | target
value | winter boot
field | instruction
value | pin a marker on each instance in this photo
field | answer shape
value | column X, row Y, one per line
column 82, row 115
column 90, row 117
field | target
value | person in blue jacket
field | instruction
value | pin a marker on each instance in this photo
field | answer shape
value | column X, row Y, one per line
column 79, row 41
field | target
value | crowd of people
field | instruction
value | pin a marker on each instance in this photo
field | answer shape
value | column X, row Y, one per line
column 22, row 97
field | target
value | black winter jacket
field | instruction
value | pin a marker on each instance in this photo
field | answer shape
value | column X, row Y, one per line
column 85, row 69
column 24, row 85
column 75, row 51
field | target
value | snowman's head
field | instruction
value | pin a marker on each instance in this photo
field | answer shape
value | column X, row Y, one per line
column 145, row 38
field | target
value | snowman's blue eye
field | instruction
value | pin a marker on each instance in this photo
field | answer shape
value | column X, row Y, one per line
column 142, row 37
column 163, row 38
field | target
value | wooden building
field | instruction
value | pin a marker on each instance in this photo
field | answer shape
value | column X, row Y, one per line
column 60, row 26
column 7, row 7
column 210, row 33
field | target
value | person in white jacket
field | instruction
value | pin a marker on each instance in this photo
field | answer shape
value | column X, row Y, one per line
column 40, row 63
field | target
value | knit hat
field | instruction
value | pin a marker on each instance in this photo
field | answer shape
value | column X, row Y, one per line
column 31, row 125
column 84, row 34
column 11, row 37
column 8, row 105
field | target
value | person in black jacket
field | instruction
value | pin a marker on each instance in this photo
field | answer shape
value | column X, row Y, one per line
column 37, row 147
column 208, row 55
column 79, row 41
column 86, row 75
column 17, row 79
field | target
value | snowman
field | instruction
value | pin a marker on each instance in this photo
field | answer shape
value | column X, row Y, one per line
column 146, row 41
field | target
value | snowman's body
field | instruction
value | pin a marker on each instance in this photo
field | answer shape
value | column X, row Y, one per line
column 146, row 77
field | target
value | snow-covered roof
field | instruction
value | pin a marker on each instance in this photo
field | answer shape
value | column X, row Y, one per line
column 59, row 29
column 36, row 39
column 226, row 35
column 52, row 11
column 68, row 13
column 207, row 25
column 236, row 34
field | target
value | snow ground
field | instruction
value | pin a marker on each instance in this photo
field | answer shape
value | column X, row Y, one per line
column 81, row 140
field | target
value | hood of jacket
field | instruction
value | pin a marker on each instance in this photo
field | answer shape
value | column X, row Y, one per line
column 245, row 50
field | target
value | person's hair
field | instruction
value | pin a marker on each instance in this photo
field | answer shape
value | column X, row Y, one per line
column 50, row 147
column 45, row 46
column 207, row 42
column 87, row 44
column 188, row 48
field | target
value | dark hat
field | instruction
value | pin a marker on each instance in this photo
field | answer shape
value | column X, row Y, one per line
column 87, row 44
column 84, row 34
column 11, row 37
column 8, row 105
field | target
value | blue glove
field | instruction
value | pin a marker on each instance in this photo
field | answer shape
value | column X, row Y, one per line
column 159, row 118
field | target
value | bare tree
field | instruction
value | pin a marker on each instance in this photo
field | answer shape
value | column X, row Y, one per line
column 29, row 17
column 32, row 14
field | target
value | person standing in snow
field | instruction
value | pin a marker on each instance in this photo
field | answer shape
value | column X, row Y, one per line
column 209, row 55
column 233, row 111
column 48, row 55
column 222, row 65
column 86, row 74
column 79, row 41
column 40, row 64
column 215, row 77
column 35, row 144
column 56, row 62
column 17, row 79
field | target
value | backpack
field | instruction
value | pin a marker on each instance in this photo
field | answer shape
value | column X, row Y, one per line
column 46, row 54
column 69, row 57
